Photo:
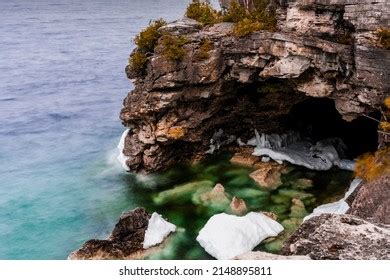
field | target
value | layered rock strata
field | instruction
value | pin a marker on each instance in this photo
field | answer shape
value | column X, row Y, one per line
column 323, row 49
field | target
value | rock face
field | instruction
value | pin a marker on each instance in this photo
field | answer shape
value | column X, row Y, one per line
column 339, row 237
column 372, row 201
column 323, row 48
column 125, row 242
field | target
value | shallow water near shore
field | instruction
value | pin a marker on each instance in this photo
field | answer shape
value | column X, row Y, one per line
column 62, row 83
column 190, row 215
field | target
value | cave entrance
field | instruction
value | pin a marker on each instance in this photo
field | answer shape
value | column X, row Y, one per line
column 317, row 119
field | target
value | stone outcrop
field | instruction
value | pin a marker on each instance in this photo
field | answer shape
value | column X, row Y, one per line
column 323, row 48
column 125, row 241
column 372, row 201
column 339, row 237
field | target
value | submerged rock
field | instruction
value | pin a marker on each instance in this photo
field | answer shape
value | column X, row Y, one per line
column 182, row 192
column 339, row 237
column 302, row 184
column 127, row 238
column 226, row 236
column 216, row 199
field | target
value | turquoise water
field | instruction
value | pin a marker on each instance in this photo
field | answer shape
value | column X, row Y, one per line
column 184, row 208
column 62, row 83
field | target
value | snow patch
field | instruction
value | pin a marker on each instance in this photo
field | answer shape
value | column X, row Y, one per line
column 291, row 148
column 121, row 145
column 226, row 236
column 338, row 207
column 158, row 229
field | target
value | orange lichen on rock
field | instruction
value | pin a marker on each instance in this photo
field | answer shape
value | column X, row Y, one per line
column 371, row 166
column 176, row 132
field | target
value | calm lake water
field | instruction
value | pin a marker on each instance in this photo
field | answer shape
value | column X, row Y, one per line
column 62, row 83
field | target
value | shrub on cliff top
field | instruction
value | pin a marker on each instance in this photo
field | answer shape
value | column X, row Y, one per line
column 384, row 37
column 172, row 47
column 202, row 12
column 261, row 17
column 147, row 40
column 137, row 62
column 246, row 27
column 235, row 13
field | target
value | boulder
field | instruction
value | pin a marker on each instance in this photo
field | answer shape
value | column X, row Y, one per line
column 268, row 175
column 238, row 206
column 372, row 201
column 339, row 237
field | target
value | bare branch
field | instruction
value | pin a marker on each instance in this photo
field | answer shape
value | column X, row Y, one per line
column 371, row 118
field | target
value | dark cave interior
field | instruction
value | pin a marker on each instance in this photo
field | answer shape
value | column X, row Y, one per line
column 317, row 119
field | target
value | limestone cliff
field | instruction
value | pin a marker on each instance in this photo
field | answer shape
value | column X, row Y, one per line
column 322, row 49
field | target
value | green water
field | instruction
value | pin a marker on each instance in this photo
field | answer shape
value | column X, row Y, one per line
column 190, row 216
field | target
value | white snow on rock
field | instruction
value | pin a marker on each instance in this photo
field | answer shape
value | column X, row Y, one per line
column 338, row 207
column 226, row 236
column 291, row 148
column 158, row 229
column 121, row 145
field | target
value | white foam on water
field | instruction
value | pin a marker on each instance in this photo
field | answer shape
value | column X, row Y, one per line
column 121, row 145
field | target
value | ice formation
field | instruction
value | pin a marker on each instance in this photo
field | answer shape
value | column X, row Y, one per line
column 338, row 207
column 121, row 145
column 226, row 236
column 218, row 140
column 158, row 229
column 291, row 148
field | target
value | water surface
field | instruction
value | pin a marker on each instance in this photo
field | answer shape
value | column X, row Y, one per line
column 62, row 83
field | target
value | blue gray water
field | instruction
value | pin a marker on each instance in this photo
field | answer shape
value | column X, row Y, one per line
column 62, row 83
